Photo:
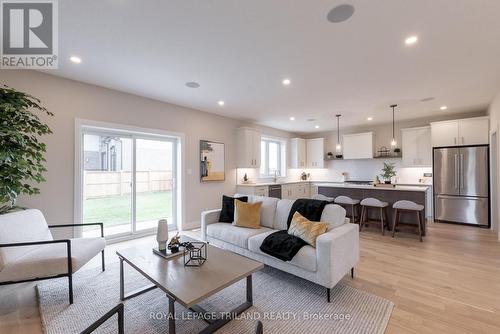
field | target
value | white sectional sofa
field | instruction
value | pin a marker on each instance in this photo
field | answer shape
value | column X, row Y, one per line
column 336, row 252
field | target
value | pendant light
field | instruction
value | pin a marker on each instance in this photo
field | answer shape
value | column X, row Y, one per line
column 338, row 147
column 393, row 141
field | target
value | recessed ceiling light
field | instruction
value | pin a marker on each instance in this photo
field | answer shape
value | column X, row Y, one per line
column 316, row 126
column 75, row 59
column 286, row 82
column 292, row 118
column 340, row 13
column 411, row 40
column 192, row 84
column 221, row 103
column 369, row 119
column 443, row 107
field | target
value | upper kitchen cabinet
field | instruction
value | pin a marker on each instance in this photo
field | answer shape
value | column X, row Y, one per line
column 444, row 133
column 315, row 153
column 359, row 145
column 298, row 157
column 461, row 132
column 248, row 148
column 417, row 149
column 474, row 131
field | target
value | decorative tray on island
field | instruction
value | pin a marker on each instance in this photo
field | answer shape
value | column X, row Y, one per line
column 384, row 185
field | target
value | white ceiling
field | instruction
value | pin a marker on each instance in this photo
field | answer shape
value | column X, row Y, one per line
column 239, row 51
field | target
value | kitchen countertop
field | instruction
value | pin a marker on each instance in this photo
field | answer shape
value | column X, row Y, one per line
column 403, row 187
column 422, row 188
column 262, row 184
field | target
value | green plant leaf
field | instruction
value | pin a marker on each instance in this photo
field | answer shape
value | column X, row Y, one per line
column 21, row 152
column 388, row 171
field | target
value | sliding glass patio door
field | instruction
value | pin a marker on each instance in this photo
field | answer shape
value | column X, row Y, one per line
column 128, row 182
column 154, row 182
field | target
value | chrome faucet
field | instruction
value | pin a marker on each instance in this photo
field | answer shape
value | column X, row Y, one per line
column 275, row 176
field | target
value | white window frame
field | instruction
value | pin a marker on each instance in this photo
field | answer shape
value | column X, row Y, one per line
column 281, row 161
column 87, row 126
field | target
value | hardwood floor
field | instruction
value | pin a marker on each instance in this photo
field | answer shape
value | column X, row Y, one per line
column 450, row 283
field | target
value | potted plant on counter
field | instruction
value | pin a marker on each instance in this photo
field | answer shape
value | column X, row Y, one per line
column 388, row 171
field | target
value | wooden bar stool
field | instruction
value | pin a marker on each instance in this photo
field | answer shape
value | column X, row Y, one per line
column 345, row 201
column 373, row 203
column 408, row 206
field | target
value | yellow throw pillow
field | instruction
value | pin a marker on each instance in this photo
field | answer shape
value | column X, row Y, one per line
column 305, row 229
column 247, row 214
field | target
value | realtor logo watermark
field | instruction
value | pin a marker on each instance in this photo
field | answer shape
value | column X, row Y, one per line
column 29, row 34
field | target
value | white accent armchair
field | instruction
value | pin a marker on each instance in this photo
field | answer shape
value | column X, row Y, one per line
column 28, row 252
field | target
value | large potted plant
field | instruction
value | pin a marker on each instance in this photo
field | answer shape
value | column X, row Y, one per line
column 22, row 161
column 388, row 171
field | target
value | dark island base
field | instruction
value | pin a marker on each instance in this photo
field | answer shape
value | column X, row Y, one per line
column 389, row 196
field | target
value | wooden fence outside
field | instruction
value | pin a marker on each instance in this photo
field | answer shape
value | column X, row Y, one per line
column 104, row 184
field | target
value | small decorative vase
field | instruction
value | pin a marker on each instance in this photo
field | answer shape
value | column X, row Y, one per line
column 162, row 234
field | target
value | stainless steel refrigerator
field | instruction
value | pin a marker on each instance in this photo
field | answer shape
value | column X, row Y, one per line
column 461, row 185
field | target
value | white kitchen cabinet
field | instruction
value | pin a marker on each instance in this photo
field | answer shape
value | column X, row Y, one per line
column 287, row 191
column 248, row 148
column 358, row 145
column 474, row 131
column 253, row 190
column 416, row 147
column 298, row 157
column 313, row 189
column 461, row 132
column 302, row 190
column 444, row 133
column 295, row 190
column 315, row 153
column 261, row 191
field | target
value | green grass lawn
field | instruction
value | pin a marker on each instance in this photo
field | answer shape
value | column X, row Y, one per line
column 116, row 210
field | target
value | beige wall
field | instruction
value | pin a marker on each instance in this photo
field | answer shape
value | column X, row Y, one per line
column 69, row 100
column 494, row 112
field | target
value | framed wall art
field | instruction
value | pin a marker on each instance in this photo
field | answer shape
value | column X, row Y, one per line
column 212, row 161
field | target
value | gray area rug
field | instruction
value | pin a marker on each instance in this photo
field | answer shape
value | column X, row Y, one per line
column 283, row 302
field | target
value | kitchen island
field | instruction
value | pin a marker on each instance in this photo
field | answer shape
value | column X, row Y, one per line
column 417, row 194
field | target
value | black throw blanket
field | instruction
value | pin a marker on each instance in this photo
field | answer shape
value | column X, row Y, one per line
column 284, row 246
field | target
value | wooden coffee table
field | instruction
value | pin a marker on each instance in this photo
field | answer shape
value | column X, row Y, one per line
column 191, row 285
